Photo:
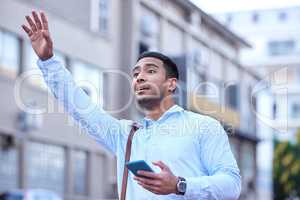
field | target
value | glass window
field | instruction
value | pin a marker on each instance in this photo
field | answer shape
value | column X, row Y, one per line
column 149, row 24
column 229, row 19
column 196, row 74
column 247, row 164
column 8, row 169
column 281, row 47
column 213, row 91
column 46, row 167
column 89, row 78
column 9, row 52
column 30, row 57
column 232, row 96
column 149, row 29
column 255, row 17
column 274, row 108
column 60, row 57
column 295, row 110
column 103, row 16
column 31, row 65
column 282, row 16
column 80, row 172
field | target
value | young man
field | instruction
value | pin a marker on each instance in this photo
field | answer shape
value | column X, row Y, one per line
column 190, row 152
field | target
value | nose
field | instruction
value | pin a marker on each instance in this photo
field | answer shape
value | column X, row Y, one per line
column 140, row 78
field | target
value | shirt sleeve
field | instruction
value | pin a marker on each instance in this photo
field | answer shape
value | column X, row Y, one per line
column 223, row 180
column 105, row 129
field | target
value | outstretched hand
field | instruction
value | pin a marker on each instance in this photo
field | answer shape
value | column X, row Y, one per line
column 39, row 35
column 162, row 183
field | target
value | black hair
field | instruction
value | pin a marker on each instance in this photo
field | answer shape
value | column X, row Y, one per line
column 169, row 65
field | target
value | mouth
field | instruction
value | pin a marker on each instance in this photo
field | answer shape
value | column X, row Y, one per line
column 142, row 88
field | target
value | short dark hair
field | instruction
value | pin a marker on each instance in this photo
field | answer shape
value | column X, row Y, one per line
column 169, row 65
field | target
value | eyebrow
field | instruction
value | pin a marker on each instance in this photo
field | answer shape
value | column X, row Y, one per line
column 147, row 65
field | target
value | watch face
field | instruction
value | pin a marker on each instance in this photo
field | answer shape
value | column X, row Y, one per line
column 182, row 186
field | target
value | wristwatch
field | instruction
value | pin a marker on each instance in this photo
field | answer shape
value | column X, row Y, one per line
column 181, row 185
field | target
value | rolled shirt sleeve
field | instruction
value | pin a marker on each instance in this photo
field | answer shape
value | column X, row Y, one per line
column 223, row 180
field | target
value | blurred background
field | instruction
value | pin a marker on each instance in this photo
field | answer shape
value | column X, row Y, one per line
column 239, row 62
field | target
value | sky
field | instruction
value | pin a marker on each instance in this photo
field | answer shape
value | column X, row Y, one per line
column 220, row 6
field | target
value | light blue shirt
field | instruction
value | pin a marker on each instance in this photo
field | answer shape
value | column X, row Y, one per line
column 194, row 146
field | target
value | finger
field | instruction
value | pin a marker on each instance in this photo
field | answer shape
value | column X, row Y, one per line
column 161, row 165
column 148, row 174
column 37, row 20
column 31, row 23
column 147, row 181
column 44, row 21
column 27, row 30
column 152, row 189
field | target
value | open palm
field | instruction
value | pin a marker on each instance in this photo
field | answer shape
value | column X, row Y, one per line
column 39, row 35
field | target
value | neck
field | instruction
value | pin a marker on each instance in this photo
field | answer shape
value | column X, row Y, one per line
column 156, row 111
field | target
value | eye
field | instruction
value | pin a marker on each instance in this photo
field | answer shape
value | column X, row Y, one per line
column 135, row 74
column 151, row 71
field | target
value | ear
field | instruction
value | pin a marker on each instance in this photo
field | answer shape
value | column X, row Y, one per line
column 172, row 84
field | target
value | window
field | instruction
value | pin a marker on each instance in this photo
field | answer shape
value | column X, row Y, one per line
column 60, row 57
column 149, row 24
column 274, row 110
column 232, row 96
column 46, row 167
column 282, row 16
column 9, row 53
column 103, row 16
column 80, row 172
column 255, row 17
column 250, row 117
column 281, row 47
column 31, row 65
column 89, row 78
column 229, row 19
column 295, row 110
column 143, row 47
column 8, row 169
column 196, row 74
column 149, row 29
column 213, row 90
column 247, row 165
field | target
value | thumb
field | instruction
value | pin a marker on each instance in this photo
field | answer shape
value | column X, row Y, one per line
column 161, row 165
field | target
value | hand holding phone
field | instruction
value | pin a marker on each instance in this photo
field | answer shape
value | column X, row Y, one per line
column 139, row 165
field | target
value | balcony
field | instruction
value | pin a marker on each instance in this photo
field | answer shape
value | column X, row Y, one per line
column 224, row 114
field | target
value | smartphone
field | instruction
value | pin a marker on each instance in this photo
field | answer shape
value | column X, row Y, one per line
column 135, row 166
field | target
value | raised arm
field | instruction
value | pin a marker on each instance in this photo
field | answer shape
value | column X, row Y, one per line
column 97, row 123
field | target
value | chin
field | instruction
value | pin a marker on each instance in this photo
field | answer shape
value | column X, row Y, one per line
column 143, row 98
column 147, row 101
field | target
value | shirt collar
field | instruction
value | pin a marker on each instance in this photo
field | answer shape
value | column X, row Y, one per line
column 174, row 109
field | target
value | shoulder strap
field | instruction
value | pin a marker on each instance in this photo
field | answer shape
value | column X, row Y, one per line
column 127, row 158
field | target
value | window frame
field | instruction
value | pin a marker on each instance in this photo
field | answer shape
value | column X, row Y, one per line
column 86, row 179
column 9, row 71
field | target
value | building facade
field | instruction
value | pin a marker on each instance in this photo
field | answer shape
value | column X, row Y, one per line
column 274, row 35
column 99, row 41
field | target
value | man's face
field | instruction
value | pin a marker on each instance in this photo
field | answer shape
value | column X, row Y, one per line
column 149, row 80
